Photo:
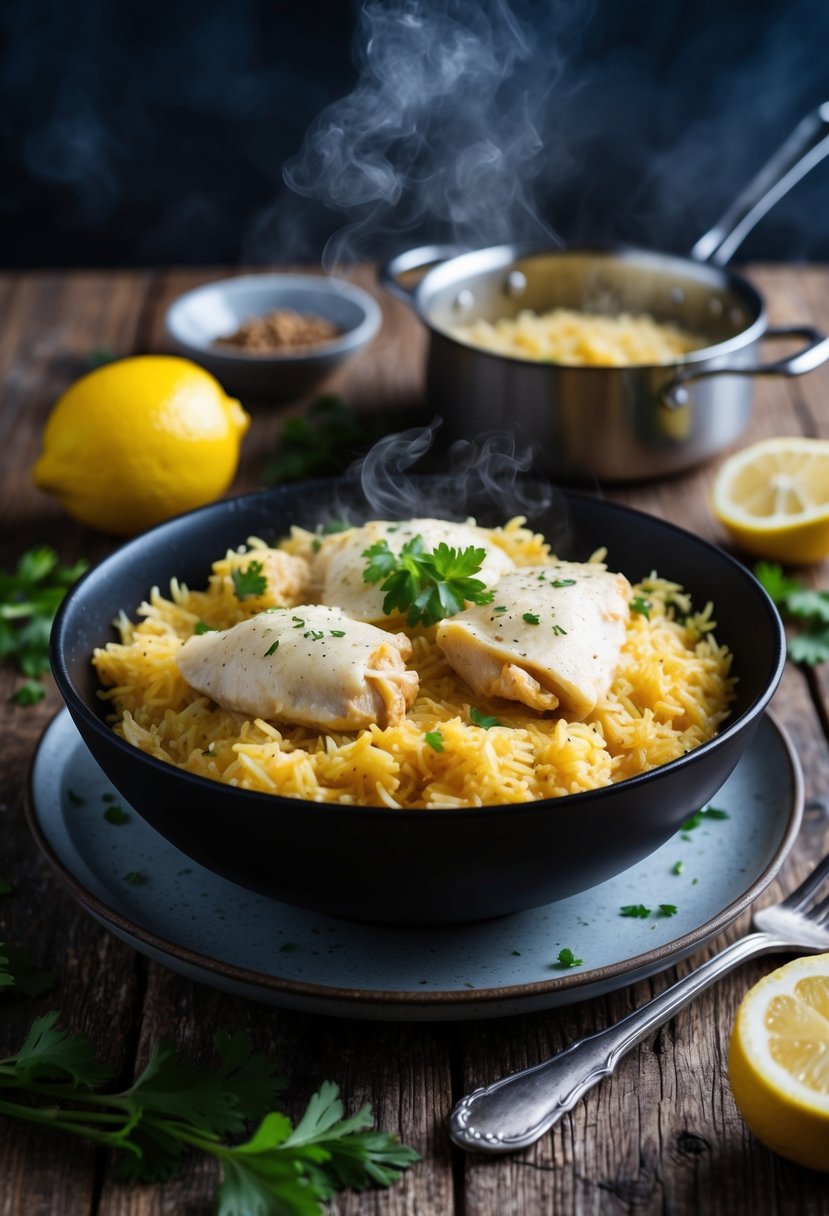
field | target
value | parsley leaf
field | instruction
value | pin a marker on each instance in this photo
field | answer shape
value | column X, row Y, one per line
column 250, row 581
column 29, row 598
column 426, row 586
column 272, row 649
column 667, row 909
column 532, row 618
column 435, row 740
column 173, row 1108
column 635, row 910
column 481, row 719
column 566, row 958
column 642, row 606
column 804, row 605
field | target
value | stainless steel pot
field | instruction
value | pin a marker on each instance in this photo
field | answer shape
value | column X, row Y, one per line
column 612, row 423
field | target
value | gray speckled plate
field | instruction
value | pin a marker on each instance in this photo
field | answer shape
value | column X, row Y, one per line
column 184, row 916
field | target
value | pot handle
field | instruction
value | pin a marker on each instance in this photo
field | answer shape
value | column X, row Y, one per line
column 801, row 151
column 816, row 351
column 410, row 260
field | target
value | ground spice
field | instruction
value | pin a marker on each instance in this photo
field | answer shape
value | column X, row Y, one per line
column 281, row 330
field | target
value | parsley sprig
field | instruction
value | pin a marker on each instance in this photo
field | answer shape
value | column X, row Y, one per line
column 173, row 1108
column 250, row 581
column 29, row 599
column 426, row 586
column 804, row 605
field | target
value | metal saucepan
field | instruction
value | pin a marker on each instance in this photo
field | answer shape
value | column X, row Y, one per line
column 612, row 423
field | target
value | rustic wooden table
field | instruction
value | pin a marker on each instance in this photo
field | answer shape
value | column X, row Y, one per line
column 662, row 1136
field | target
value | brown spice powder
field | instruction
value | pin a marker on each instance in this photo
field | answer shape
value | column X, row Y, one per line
column 281, row 330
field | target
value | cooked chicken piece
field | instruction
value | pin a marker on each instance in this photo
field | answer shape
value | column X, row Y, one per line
column 287, row 576
column 338, row 567
column 311, row 665
column 552, row 636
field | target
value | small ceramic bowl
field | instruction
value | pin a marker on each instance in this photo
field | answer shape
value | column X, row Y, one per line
column 196, row 319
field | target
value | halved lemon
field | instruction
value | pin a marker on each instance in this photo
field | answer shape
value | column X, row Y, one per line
column 773, row 497
column 778, row 1061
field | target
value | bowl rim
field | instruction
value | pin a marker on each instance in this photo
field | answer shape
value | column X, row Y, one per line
column 353, row 338
column 79, row 708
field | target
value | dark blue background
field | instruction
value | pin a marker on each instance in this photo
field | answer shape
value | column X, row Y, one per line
column 157, row 133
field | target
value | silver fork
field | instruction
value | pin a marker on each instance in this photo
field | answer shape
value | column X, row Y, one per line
column 516, row 1110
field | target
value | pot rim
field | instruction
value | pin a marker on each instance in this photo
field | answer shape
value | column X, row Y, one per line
column 458, row 270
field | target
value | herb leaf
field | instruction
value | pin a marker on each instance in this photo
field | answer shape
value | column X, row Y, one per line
column 29, row 598
column 642, row 606
column 804, row 605
column 426, row 586
column 566, row 958
column 435, row 740
column 482, row 719
column 635, row 910
column 250, row 581
column 174, row 1108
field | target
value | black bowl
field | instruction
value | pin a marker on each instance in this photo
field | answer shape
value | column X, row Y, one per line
column 417, row 867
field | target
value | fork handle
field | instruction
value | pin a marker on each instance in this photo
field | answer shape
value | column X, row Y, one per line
column 516, row 1110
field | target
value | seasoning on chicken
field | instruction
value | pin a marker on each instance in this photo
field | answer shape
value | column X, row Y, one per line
column 311, row 665
column 338, row 567
column 551, row 637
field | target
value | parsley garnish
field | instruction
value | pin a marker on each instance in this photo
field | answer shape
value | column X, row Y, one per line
column 173, row 1108
column 29, row 599
column 635, row 910
column 500, row 608
column 566, row 958
column 642, row 606
column 314, row 634
column 667, row 909
column 531, row 618
column 435, row 740
column 426, row 586
column 116, row 814
column 709, row 812
column 482, row 719
column 801, row 604
column 250, row 581
column 559, row 632
column 299, row 622
column 135, row 878
column 677, row 867
column 200, row 627
column 563, row 582
column 272, row 649
column 337, row 633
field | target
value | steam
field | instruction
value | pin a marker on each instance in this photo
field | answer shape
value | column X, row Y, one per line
column 444, row 127
column 490, row 474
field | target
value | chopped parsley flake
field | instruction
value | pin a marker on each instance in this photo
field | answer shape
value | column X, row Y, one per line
column 299, row 622
column 635, row 910
column 337, row 633
column 135, row 878
column 272, row 649
column 667, row 909
column 482, row 719
column 201, row 627
column 709, row 812
column 566, row 958
column 115, row 814
column 74, row 799
column 250, row 581
column 559, row 632
column 435, row 740
column 642, row 606
column 563, row 582
column 531, row 618
column 314, row 634
column 678, row 867
column 500, row 608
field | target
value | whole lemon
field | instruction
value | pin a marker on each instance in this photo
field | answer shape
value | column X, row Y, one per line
column 139, row 440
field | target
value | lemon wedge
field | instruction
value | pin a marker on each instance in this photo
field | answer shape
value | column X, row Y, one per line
column 778, row 1061
column 773, row 498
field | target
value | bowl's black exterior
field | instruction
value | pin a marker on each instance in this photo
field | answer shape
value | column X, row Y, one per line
column 417, row 867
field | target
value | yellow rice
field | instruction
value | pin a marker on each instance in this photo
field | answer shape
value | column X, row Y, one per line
column 564, row 335
column 670, row 693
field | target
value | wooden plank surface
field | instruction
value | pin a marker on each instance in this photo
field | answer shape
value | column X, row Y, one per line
column 662, row 1136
